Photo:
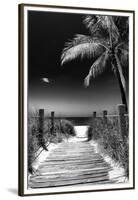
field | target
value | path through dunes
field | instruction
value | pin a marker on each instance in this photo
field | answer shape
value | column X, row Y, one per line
column 72, row 163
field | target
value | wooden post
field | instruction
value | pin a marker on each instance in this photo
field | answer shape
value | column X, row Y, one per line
column 90, row 133
column 94, row 114
column 105, row 115
column 122, row 121
column 52, row 123
column 41, row 121
column 41, row 127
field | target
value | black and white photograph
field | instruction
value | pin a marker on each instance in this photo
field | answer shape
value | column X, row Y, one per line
column 76, row 99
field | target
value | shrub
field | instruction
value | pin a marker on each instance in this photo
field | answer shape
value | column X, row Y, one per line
column 63, row 129
column 33, row 141
column 67, row 128
column 110, row 140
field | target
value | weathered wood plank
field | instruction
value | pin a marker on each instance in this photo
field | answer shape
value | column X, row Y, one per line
column 71, row 163
column 70, row 176
column 68, row 182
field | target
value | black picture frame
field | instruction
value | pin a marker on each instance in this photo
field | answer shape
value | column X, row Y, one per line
column 24, row 87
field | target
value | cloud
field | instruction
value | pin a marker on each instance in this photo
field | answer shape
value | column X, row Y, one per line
column 45, row 80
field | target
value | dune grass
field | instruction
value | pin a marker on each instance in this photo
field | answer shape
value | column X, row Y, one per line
column 110, row 141
column 63, row 129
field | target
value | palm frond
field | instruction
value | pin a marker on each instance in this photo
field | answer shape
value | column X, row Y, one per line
column 123, row 25
column 122, row 45
column 112, row 27
column 97, row 68
column 78, row 39
column 81, row 46
column 124, row 56
column 98, row 22
column 84, row 49
column 91, row 22
column 122, row 51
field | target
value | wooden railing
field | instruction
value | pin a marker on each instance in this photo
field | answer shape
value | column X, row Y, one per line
column 121, row 115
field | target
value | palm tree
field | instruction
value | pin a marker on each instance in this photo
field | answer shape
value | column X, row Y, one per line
column 107, row 43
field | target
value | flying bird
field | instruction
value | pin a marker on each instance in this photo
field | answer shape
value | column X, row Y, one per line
column 45, row 80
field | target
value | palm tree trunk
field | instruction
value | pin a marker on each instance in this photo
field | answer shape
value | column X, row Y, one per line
column 110, row 37
column 121, row 85
column 123, row 94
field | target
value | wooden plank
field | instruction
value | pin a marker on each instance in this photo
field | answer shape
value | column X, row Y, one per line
column 68, row 182
column 66, row 175
column 65, row 179
column 72, row 163
column 73, row 166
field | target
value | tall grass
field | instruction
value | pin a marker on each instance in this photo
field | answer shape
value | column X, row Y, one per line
column 63, row 129
column 110, row 141
column 33, row 141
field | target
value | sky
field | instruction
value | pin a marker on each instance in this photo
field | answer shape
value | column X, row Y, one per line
column 65, row 93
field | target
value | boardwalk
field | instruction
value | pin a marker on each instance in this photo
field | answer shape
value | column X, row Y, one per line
column 71, row 163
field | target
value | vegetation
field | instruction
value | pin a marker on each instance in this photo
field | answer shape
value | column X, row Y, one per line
column 110, row 141
column 63, row 129
column 33, row 142
column 107, row 43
